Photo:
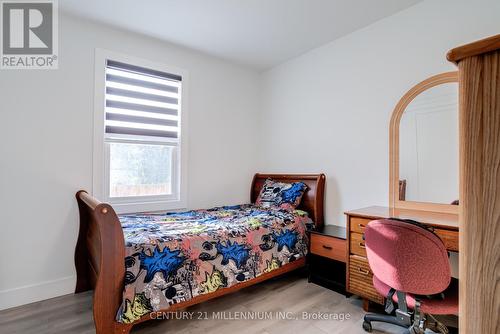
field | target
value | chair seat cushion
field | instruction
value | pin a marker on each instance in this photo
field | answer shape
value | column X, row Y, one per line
column 448, row 305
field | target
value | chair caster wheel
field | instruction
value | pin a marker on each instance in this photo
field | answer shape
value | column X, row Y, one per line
column 367, row 326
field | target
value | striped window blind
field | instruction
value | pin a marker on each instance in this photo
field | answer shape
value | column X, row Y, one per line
column 141, row 101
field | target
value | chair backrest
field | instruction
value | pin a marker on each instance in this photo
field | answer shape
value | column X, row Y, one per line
column 407, row 257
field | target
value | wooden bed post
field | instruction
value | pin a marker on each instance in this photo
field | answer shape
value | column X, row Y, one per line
column 100, row 261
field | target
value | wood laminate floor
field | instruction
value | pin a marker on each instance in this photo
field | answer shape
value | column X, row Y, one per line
column 291, row 293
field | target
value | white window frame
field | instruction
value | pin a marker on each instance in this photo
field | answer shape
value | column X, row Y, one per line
column 101, row 152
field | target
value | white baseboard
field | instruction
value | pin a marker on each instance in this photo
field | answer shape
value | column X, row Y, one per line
column 36, row 292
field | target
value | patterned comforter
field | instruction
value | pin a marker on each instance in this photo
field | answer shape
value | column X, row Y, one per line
column 173, row 257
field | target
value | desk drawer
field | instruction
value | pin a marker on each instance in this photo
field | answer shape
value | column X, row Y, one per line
column 358, row 225
column 361, row 279
column 358, row 244
column 329, row 247
column 449, row 238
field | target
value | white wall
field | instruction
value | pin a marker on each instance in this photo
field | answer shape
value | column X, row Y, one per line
column 329, row 110
column 46, row 149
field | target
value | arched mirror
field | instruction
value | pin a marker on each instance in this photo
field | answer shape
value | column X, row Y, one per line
column 424, row 146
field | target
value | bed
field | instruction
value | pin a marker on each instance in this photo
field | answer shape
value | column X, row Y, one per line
column 206, row 253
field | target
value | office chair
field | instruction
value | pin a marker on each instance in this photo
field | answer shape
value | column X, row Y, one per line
column 410, row 267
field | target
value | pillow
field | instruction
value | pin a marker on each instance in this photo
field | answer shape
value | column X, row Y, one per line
column 279, row 194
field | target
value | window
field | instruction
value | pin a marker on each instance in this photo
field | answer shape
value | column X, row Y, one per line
column 138, row 143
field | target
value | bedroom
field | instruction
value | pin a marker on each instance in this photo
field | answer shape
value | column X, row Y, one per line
column 275, row 87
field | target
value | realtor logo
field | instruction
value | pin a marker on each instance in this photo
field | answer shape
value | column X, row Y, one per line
column 29, row 34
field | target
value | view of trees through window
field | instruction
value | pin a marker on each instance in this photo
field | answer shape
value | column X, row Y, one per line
column 140, row 169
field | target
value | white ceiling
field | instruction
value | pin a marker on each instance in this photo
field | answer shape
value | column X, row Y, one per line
column 257, row 33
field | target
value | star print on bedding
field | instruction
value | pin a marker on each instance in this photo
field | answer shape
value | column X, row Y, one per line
column 174, row 257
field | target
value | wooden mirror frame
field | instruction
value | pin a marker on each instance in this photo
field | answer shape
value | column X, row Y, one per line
column 394, row 201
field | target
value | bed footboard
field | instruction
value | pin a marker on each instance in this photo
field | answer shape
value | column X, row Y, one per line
column 99, row 261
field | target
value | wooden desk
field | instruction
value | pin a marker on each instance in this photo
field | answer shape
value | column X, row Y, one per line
column 359, row 276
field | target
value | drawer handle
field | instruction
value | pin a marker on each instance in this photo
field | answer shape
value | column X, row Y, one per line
column 327, row 247
column 363, row 271
column 362, row 245
column 361, row 226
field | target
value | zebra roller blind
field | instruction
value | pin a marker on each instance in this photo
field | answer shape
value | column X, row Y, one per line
column 141, row 101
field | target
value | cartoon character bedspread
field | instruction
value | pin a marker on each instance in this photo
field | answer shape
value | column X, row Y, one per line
column 174, row 257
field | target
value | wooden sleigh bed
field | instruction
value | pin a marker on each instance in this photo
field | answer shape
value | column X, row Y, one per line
column 100, row 252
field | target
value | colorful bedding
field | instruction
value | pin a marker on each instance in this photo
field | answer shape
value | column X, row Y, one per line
column 173, row 257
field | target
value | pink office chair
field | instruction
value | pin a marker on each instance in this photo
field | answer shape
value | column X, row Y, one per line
column 410, row 266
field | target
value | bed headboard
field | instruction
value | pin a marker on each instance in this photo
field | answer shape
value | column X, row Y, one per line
column 313, row 199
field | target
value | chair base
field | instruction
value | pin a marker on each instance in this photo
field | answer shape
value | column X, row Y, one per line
column 433, row 325
column 390, row 319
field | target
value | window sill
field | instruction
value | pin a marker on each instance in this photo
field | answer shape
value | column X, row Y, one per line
column 123, row 208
